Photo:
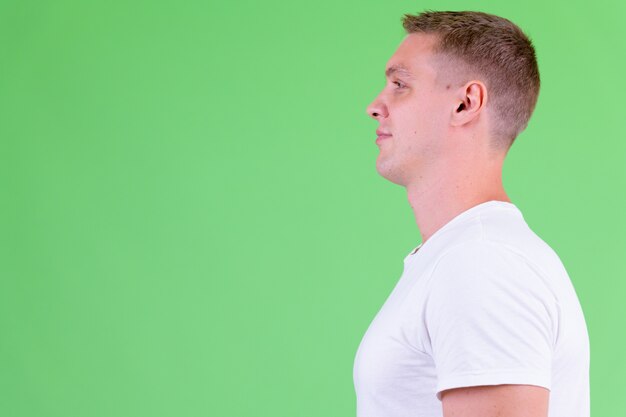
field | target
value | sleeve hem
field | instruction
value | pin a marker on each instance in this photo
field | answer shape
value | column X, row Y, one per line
column 470, row 379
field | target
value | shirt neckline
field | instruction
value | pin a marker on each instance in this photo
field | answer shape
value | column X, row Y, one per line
column 464, row 214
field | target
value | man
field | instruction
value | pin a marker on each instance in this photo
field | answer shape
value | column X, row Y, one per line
column 484, row 320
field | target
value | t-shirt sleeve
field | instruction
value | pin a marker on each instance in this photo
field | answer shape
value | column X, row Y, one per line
column 491, row 319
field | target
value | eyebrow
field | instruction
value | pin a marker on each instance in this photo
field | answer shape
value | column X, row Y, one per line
column 401, row 70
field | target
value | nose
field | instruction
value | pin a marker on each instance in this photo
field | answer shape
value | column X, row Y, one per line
column 377, row 109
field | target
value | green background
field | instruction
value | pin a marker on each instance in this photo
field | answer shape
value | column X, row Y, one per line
column 192, row 222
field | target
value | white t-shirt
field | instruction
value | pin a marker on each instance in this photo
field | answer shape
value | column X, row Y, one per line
column 484, row 301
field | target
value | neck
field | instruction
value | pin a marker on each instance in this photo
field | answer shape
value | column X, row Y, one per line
column 437, row 200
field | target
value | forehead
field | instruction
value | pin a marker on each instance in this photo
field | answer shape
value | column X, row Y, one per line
column 413, row 58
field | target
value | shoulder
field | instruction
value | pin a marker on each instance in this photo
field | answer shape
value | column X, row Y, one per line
column 490, row 319
column 483, row 273
column 483, row 259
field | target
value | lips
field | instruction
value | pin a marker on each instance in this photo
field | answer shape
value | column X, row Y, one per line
column 382, row 138
column 381, row 135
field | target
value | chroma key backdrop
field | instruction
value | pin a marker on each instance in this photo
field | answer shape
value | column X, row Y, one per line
column 192, row 223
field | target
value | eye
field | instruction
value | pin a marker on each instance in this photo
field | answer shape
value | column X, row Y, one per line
column 399, row 84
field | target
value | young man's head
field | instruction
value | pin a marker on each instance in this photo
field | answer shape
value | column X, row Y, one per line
column 460, row 88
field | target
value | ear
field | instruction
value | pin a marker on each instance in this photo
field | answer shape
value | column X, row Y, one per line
column 469, row 102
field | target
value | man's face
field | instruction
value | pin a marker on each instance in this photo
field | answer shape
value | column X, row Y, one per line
column 415, row 110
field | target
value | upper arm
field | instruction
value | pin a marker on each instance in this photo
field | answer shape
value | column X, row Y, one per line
column 496, row 400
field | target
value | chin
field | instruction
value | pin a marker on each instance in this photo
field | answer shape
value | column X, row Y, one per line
column 390, row 173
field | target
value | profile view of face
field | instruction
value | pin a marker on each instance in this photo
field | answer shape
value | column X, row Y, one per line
column 415, row 109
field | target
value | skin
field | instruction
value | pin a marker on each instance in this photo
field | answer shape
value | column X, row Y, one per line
column 440, row 151
column 496, row 401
